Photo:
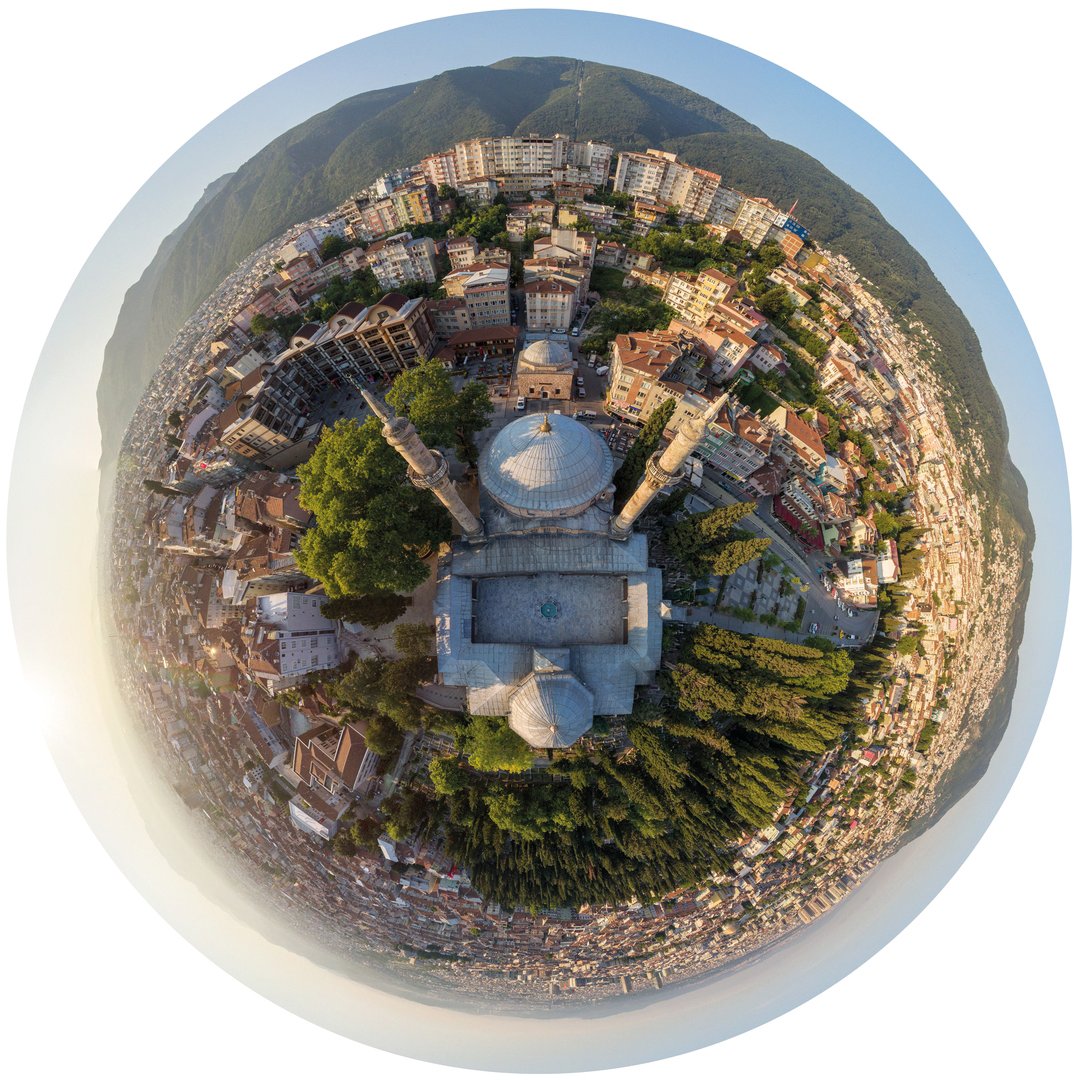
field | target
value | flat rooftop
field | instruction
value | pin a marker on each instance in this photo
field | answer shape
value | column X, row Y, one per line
column 550, row 609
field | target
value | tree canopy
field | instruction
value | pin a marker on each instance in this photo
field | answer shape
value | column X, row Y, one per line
column 740, row 718
column 491, row 746
column 441, row 415
column 628, row 475
column 373, row 610
column 372, row 528
column 708, row 542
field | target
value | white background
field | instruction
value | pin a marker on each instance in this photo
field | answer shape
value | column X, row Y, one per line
column 981, row 982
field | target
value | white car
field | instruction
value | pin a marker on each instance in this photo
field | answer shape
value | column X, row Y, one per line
column 602, row 369
column 520, row 406
column 580, row 381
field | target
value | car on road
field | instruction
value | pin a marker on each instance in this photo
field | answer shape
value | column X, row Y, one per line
column 602, row 369
column 575, row 332
column 581, row 392
column 813, row 628
column 520, row 406
column 580, row 381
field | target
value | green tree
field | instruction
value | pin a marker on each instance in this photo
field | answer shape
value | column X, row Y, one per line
column 414, row 641
column 332, row 246
column 372, row 611
column 442, row 416
column 383, row 736
column 372, row 528
column 645, row 445
column 730, row 556
column 491, row 746
column 708, row 542
column 848, row 333
column 447, row 775
column 776, row 305
column 261, row 324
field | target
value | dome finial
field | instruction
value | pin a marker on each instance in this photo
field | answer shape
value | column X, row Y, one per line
column 546, row 425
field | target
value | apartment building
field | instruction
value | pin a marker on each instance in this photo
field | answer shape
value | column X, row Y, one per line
column 487, row 298
column 462, row 251
column 657, row 177
column 448, row 317
column 736, row 443
column 566, row 244
column 567, row 271
column 650, row 367
column 549, row 305
column 696, row 297
column 289, row 639
column 401, row 258
column 798, row 444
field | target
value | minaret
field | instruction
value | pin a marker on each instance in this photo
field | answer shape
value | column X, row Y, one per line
column 664, row 468
column 427, row 468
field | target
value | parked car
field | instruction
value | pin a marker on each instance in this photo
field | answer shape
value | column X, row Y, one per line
column 520, row 406
column 580, row 381
column 602, row 370
column 581, row 392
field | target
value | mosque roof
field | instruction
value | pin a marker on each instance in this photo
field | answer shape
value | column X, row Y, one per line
column 546, row 465
column 551, row 709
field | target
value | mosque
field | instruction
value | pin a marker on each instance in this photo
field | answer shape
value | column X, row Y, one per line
column 546, row 610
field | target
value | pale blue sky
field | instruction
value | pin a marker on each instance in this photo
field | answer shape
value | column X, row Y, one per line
column 786, row 108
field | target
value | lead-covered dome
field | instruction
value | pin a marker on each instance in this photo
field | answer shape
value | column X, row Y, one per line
column 546, row 465
column 551, row 709
column 546, row 356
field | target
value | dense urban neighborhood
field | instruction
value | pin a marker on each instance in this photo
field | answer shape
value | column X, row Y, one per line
column 349, row 502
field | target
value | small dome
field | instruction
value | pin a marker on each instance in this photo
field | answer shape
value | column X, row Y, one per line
column 546, row 465
column 546, row 356
column 551, row 709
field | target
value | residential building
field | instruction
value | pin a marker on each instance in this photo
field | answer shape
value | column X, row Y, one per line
column 649, row 368
column 696, row 296
column 566, row 244
column 334, row 758
column 487, row 298
column 736, row 443
column 400, row 258
column 290, row 638
column 620, row 257
column 549, row 305
column 448, row 317
column 799, row 445
column 568, row 271
column 264, row 563
column 461, row 251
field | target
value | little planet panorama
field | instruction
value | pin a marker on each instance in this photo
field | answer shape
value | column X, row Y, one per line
column 555, row 556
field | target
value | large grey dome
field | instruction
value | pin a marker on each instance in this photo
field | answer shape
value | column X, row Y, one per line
column 552, row 708
column 546, row 465
column 546, row 356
